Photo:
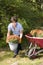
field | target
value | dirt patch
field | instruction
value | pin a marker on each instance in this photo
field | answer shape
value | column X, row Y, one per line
column 41, row 64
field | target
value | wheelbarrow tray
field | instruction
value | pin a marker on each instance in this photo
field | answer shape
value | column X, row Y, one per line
column 35, row 40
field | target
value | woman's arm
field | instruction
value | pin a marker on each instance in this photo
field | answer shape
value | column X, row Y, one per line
column 21, row 35
column 8, row 35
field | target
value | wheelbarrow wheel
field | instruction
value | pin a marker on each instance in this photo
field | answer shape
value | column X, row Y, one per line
column 31, row 53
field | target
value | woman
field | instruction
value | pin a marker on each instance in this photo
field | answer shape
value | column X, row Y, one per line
column 17, row 31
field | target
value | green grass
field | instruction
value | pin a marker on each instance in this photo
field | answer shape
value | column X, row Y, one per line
column 6, row 58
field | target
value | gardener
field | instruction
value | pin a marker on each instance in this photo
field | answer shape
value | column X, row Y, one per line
column 17, row 31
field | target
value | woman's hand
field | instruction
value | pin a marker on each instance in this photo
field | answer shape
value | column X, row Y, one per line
column 20, row 40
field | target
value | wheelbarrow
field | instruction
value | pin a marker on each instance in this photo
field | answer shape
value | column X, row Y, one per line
column 35, row 42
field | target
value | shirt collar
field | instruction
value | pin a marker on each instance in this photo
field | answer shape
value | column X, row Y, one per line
column 16, row 24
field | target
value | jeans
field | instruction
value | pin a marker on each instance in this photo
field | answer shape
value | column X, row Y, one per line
column 15, row 47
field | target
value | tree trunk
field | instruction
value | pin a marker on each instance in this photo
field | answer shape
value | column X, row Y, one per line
column 41, row 6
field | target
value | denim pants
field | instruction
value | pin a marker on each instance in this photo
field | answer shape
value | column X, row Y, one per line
column 15, row 47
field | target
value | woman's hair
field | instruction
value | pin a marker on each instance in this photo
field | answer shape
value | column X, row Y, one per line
column 14, row 18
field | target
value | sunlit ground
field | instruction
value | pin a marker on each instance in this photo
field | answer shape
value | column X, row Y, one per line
column 6, row 58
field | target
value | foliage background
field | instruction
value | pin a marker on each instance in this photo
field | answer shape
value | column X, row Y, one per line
column 29, row 12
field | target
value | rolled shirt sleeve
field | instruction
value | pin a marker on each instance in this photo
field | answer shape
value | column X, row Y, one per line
column 9, row 27
column 21, row 28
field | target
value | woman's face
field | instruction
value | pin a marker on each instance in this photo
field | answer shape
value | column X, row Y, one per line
column 13, row 22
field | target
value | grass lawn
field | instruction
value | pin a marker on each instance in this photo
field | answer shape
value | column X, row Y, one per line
column 6, row 58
